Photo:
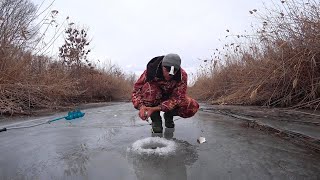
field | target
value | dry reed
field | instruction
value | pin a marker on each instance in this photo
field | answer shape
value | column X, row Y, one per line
column 277, row 66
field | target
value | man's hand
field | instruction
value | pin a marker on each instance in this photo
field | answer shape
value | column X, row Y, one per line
column 145, row 112
column 142, row 112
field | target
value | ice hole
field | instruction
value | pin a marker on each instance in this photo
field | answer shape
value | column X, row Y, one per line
column 154, row 145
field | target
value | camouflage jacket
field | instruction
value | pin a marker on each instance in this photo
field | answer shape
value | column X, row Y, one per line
column 173, row 91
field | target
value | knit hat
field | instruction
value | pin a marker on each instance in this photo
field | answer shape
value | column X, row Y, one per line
column 172, row 60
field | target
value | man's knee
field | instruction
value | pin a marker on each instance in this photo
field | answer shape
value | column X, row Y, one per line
column 189, row 108
column 151, row 94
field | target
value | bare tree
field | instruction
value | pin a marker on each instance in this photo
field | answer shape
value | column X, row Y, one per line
column 16, row 18
column 75, row 49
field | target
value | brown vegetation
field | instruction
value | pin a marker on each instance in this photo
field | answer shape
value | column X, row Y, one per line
column 278, row 66
column 29, row 81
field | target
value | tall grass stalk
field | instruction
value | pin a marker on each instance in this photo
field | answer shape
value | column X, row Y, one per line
column 277, row 66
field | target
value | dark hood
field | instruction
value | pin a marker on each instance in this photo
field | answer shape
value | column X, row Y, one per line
column 154, row 69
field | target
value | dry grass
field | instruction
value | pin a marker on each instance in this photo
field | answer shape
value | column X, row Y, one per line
column 105, row 84
column 29, row 81
column 32, row 82
column 278, row 66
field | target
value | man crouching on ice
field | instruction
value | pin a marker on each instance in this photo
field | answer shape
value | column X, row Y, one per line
column 162, row 87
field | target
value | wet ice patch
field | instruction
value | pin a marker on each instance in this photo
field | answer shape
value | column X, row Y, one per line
column 153, row 145
column 75, row 121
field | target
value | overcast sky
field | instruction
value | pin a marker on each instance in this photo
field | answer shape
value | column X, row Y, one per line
column 131, row 32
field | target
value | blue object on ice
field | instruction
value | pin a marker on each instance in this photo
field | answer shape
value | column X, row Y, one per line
column 74, row 114
column 71, row 116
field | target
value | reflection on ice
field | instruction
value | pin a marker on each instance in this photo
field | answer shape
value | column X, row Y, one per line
column 155, row 165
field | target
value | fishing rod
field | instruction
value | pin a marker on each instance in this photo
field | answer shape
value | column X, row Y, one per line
column 71, row 116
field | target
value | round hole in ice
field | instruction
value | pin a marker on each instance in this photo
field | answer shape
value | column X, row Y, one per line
column 154, row 145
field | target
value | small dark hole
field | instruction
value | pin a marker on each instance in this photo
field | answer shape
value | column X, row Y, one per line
column 153, row 146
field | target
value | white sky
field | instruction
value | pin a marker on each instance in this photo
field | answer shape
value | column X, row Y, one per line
column 131, row 32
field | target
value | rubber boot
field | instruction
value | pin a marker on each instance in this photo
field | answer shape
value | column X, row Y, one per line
column 168, row 133
column 156, row 122
column 168, row 117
